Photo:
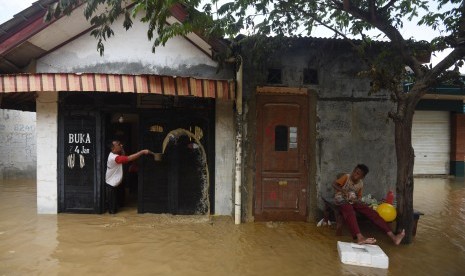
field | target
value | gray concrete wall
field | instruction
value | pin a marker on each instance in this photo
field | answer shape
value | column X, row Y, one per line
column 17, row 144
column 351, row 126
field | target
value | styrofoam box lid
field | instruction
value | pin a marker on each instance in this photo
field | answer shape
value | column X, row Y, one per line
column 362, row 254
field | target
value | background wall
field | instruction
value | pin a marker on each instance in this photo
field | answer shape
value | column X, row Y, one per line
column 17, row 144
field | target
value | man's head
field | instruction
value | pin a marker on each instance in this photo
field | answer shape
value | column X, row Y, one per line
column 116, row 147
column 359, row 172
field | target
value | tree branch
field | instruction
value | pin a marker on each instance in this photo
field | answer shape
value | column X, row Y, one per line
column 372, row 9
column 387, row 6
column 346, row 4
column 456, row 54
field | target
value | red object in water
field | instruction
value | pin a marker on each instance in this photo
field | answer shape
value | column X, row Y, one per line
column 390, row 197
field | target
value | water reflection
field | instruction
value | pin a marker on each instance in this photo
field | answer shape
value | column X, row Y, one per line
column 146, row 244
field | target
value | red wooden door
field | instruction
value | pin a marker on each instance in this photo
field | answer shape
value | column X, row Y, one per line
column 281, row 176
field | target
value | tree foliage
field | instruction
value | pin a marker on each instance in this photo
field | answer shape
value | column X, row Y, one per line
column 367, row 20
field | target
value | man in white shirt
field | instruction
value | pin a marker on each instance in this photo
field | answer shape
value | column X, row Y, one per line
column 114, row 173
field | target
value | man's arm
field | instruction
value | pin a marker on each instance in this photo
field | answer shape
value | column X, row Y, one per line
column 138, row 154
column 359, row 193
column 337, row 187
column 339, row 183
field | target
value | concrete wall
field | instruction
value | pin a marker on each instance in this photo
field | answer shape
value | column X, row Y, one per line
column 17, row 144
column 224, row 157
column 47, row 131
column 130, row 52
column 351, row 126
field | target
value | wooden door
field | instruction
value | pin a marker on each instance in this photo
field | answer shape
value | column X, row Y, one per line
column 176, row 184
column 281, row 177
column 78, row 163
column 154, row 178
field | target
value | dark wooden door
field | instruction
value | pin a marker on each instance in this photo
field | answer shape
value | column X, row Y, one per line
column 154, row 189
column 176, row 184
column 79, row 187
column 281, row 177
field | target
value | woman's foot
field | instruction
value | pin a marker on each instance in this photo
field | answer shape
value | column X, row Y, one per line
column 398, row 238
column 362, row 240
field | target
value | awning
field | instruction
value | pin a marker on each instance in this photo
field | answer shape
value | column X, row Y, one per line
column 89, row 82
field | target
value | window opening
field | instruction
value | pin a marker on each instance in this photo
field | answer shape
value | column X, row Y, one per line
column 281, row 138
column 310, row 76
column 274, row 76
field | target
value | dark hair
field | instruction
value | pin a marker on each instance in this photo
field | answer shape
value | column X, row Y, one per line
column 363, row 168
column 110, row 143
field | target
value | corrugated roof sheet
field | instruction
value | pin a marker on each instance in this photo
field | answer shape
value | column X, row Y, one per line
column 91, row 82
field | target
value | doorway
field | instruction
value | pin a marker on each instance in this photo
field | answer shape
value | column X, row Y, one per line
column 176, row 183
column 123, row 126
column 281, row 157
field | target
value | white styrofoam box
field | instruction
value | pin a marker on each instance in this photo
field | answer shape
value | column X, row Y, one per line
column 362, row 254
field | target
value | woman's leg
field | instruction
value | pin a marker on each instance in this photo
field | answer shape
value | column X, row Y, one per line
column 350, row 218
column 349, row 215
column 379, row 221
column 372, row 215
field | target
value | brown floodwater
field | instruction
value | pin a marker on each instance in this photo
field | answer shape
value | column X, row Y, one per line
column 147, row 244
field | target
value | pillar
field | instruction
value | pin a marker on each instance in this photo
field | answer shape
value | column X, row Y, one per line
column 457, row 158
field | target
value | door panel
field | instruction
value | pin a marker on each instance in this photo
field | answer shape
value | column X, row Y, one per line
column 280, row 193
column 281, row 178
column 280, row 156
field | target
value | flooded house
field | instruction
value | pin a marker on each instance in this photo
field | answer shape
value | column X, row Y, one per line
column 173, row 103
column 310, row 116
column 260, row 140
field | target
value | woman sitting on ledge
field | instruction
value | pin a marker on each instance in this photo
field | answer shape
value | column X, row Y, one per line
column 348, row 196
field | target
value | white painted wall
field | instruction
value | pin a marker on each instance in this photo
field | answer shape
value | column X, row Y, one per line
column 47, row 131
column 224, row 157
column 129, row 52
column 17, row 144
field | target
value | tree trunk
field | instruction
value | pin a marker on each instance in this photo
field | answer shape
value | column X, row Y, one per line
column 405, row 161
